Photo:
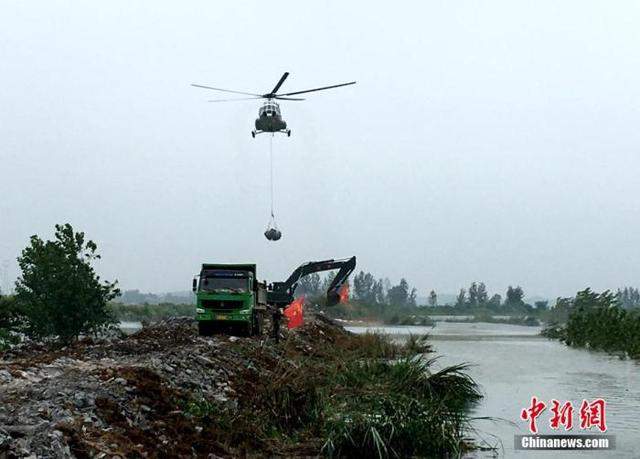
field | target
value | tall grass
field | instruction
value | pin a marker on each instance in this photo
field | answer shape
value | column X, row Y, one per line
column 398, row 409
column 375, row 346
column 418, row 344
column 364, row 397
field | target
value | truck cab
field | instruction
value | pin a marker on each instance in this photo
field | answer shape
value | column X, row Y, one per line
column 229, row 298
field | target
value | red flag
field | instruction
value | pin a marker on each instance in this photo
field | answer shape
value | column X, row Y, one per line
column 293, row 312
column 343, row 293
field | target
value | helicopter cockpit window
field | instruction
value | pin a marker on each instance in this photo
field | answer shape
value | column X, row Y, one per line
column 269, row 110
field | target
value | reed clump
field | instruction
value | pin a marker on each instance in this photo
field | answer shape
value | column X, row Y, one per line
column 360, row 396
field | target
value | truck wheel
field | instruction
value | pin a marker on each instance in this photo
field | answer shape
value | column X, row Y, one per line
column 204, row 329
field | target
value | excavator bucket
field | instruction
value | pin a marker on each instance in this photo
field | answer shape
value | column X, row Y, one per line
column 332, row 299
column 339, row 296
column 338, row 291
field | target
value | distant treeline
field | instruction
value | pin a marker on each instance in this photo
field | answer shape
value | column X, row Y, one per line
column 599, row 321
column 150, row 312
column 137, row 297
column 378, row 299
column 371, row 299
column 477, row 296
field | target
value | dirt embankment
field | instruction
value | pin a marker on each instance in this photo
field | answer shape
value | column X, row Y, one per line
column 153, row 393
column 167, row 392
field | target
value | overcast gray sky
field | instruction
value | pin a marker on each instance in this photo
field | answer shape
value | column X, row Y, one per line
column 495, row 141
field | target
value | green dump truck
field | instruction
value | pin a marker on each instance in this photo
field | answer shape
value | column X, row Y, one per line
column 230, row 298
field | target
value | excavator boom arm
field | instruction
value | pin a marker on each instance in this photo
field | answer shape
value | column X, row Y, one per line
column 282, row 292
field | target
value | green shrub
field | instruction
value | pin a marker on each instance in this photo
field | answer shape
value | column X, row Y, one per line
column 596, row 321
column 58, row 290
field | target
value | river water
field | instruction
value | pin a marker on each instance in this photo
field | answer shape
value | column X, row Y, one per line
column 512, row 363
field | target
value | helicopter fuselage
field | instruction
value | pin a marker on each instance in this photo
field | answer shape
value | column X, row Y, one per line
column 270, row 123
column 270, row 119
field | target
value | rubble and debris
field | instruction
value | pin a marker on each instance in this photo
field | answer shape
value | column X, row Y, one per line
column 165, row 391
column 126, row 395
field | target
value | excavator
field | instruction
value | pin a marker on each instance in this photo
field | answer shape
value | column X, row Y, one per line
column 230, row 298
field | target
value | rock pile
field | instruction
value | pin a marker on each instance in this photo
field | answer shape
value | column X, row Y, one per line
column 136, row 395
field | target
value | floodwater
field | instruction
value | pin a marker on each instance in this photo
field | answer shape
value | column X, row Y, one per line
column 511, row 363
column 130, row 327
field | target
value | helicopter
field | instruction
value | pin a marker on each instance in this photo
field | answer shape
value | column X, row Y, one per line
column 269, row 115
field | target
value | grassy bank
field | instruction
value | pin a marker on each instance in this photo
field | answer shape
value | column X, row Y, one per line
column 356, row 396
column 528, row 321
column 380, row 313
column 426, row 316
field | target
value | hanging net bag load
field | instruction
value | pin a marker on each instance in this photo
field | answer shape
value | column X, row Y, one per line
column 272, row 233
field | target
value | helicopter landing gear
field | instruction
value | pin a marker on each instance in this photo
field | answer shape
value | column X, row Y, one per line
column 288, row 132
column 253, row 134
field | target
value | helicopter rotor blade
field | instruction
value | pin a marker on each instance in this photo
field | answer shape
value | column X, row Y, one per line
column 319, row 89
column 282, row 78
column 226, row 90
column 233, row 100
column 287, row 98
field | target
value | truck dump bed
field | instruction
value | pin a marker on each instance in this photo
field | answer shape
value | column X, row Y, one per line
column 230, row 267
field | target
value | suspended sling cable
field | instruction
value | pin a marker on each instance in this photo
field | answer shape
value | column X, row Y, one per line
column 271, row 164
column 272, row 233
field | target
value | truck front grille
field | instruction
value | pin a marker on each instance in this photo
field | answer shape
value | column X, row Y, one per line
column 222, row 304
